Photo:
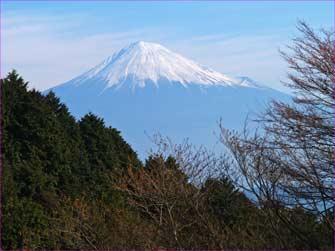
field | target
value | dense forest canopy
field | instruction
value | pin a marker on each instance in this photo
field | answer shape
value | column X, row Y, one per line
column 69, row 184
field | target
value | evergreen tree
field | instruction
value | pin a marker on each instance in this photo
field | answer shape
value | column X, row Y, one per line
column 49, row 157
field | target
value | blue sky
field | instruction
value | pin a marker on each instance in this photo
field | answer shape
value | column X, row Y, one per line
column 51, row 42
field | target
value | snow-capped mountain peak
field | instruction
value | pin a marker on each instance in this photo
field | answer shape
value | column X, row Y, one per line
column 141, row 63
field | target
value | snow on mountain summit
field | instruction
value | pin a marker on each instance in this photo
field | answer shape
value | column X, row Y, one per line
column 143, row 62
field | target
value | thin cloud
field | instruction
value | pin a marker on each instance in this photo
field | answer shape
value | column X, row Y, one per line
column 256, row 56
column 47, row 55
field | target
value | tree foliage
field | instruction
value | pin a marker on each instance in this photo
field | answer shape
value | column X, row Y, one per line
column 289, row 167
column 49, row 161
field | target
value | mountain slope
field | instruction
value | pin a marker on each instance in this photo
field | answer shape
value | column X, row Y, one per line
column 142, row 63
column 145, row 89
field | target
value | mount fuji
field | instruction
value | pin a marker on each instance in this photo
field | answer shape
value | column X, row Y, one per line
column 145, row 89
